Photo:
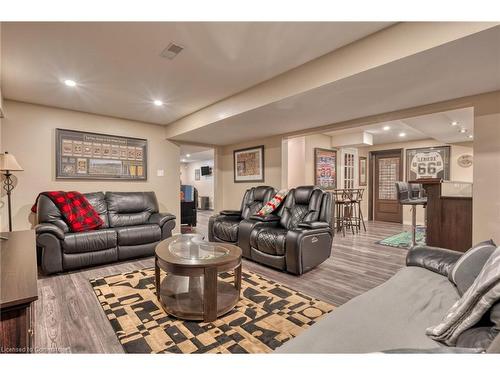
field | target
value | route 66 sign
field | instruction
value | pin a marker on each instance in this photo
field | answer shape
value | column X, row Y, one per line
column 431, row 162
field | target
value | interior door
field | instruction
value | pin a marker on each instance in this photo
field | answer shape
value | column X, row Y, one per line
column 388, row 170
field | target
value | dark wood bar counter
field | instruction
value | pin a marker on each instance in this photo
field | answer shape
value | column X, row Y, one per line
column 449, row 214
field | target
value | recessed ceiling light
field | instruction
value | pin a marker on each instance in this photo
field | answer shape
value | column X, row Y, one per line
column 402, row 134
column 463, row 130
column 387, row 127
column 471, row 136
column 188, row 155
column 158, row 103
column 183, row 160
column 454, row 123
column 69, row 82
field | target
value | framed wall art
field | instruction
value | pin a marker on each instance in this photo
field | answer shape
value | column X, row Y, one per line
column 197, row 174
column 363, row 171
column 248, row 164
column 84, row 155
column 428, row 162
column 325, row 168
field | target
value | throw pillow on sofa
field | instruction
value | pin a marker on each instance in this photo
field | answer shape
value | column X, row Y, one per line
column 465, row 271
column 273, row 204
column 473, row 305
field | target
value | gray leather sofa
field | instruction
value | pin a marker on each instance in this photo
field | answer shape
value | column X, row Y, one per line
column 132, row 228
column 392, row 317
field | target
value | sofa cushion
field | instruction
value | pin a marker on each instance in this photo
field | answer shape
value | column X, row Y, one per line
column 126, row 209
column 138, row 235
column 473, row 306
column 269, row 240
column 466, row 269
column 391, row 316
column 98, row 201
column 83, row 242
column 226, row 228
column 91, row 258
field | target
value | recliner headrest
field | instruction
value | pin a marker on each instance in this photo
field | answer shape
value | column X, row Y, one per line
column 302, row 194
column 260, row 192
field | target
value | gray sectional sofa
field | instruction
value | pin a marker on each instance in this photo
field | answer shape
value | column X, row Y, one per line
column 132, row 228
column 393, row 316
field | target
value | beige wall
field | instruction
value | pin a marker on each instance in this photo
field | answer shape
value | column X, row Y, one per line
column 486, row 191
column 229, row 193
column 457, row 173
column 205, row 185
column 296, row 154
column 312, row 142
column 28, row 132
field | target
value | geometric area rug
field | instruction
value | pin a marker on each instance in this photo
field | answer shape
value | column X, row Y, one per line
column 267, row 315
column 403, row 239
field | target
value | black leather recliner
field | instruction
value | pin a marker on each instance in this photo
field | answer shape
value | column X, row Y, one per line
column 224, row 226
column 132, row 228
column 295, row 239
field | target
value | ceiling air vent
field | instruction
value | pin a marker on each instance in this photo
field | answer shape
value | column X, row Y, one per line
column 171, row 51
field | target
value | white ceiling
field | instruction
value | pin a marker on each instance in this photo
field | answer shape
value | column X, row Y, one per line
column 436, row 126
column 196, row 153
column 119, row 71
column 465, row 67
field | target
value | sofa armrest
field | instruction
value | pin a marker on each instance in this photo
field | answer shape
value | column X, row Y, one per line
column 314, row 225
column 160, row 218
column 307, row 248
column 49, row 228
column 265, row 219
column 434, row 259
column 230, row 213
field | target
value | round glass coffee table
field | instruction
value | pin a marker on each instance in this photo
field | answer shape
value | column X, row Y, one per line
column 191, row 289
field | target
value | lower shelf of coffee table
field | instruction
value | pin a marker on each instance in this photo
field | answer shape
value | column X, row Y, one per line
column 182, row 297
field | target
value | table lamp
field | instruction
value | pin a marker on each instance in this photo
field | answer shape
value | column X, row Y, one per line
column 8, row 163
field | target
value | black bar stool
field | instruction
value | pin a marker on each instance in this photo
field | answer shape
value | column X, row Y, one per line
column 356, row 199
column 411, row 195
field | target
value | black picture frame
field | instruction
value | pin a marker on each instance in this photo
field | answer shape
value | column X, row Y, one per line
column 428, row 157
column 127, row 156
column 237, row 164
column 320, row 164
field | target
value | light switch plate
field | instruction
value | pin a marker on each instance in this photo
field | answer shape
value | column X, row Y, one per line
column 160, row 172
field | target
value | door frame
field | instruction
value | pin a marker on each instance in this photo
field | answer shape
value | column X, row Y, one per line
column 371, row 176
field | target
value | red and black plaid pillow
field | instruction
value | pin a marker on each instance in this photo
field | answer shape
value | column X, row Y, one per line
column 75, row 208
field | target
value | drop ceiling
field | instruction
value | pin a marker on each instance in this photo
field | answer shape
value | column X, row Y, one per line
column 120, row 72
column 439, row 126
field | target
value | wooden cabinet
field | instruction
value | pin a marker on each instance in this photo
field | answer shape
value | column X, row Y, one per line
column 449, row 215
column 18, row 291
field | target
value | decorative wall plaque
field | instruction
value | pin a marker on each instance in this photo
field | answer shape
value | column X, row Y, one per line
column 428, row 162
column 83, row 155
column 465, row 161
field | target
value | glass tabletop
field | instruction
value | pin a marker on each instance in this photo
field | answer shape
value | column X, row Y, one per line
column 192, row 246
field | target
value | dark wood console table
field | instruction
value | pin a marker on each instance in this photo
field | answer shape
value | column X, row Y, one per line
column 449, row 217
column 18, row 291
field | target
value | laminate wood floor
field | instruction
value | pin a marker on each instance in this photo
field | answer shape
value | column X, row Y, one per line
column 70, row 319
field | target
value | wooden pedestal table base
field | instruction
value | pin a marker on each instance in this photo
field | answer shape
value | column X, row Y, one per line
column 190, row 289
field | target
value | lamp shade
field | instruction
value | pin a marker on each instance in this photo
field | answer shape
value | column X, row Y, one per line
column 9, row 163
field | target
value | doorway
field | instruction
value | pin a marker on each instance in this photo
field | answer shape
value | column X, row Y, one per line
column 387, row 167
column 197, row 175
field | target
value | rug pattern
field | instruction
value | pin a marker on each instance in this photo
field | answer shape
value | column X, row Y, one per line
column 267, row 315
column 403, row 239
